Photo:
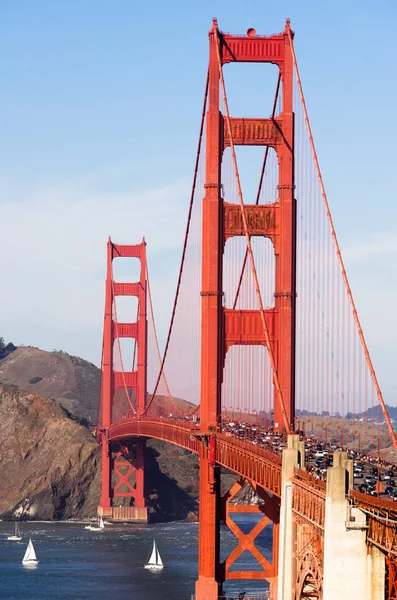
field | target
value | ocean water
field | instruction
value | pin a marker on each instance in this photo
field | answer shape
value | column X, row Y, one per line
column 85, row 565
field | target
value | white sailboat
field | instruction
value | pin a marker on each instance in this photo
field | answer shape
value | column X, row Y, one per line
column 155, row 563
column 99, row 527
column 17, row 535
column 30, row 560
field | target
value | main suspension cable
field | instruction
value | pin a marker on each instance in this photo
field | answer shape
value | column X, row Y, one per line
column 338, row 252
column 159, row 357
column 186, row 236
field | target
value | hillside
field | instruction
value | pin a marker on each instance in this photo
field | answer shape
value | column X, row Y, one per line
column 71, row 381
column 373, row 414
column 49, row 463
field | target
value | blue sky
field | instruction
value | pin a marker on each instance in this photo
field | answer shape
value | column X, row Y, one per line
column 99, row 113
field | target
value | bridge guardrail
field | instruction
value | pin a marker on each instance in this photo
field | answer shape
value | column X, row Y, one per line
column 308, row 498
column 253, row 463
column 382, row 520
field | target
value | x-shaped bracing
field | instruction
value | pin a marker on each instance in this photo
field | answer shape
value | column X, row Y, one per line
column 246, row 541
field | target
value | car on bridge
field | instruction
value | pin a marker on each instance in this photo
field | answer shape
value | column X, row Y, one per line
column 369, row 480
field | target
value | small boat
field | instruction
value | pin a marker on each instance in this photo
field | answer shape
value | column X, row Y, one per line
column 99, row 527
column 155, row 563
column 17, row 535
column 30, row 560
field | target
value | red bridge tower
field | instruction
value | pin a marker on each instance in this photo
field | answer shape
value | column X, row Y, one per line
column 221, row 327
column 123, row 392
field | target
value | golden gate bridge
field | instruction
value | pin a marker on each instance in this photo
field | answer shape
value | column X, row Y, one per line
column 264, row 345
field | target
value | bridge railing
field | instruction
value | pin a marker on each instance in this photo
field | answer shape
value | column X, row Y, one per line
column 308, row 498
column 243, row 596
column 381, row 518
column 164, row 429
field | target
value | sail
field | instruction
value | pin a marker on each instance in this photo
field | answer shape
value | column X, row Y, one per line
column 17, row 532
column 158, row 559
column 101, row 523
column 153, row 556
column 30, row 554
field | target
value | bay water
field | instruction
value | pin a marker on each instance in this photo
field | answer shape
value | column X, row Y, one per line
column 78, row 564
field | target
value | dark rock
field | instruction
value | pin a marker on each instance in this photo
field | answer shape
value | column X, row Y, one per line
column 49, row 463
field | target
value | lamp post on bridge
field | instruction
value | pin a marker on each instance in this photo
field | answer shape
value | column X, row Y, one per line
column 246, row 416
column 326, row 432
column 255, row 413
column 342, row 435
column 378, row 486
column 238, row 422
column 358, row 432
column 377, row 438
column 223, row 416
column 231, row 412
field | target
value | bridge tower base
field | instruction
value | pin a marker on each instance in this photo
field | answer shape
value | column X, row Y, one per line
column 293, row 456
column 350, row 569
column 125, row 514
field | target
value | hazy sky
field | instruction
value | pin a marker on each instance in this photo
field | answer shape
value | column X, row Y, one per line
column 99, row 113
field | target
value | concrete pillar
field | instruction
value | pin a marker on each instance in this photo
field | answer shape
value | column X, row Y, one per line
column 348, row 570
column 376, row 569
column 301, row 449
column 347, row 464
column 291, row 459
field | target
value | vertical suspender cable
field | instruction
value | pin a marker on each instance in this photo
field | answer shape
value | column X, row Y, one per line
column 159, row 356
column 119, row 349
column 339, row 255
column 259, row 188
column 186, row 236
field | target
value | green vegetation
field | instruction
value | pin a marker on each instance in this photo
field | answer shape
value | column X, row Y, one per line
column 6, row 349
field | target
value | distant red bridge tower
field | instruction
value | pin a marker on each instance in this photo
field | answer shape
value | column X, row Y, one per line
column 123, row 391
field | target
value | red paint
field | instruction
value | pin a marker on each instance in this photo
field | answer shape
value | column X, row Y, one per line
column 212, row 451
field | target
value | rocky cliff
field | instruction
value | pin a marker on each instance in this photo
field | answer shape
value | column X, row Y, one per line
column 49, row 463
column 50, row 466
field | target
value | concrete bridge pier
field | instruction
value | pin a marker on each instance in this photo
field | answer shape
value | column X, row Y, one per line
column 350, row 570
column 293, row 456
